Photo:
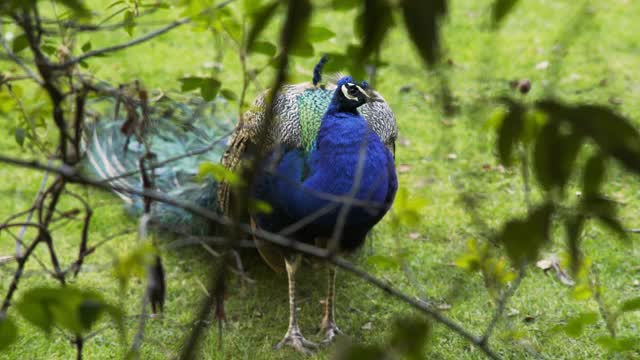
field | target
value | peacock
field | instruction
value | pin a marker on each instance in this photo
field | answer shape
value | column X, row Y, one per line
column 294, row 147
column 303, row 184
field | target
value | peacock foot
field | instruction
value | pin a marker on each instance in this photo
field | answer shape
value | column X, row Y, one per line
column 294, row 338
column 330, row 331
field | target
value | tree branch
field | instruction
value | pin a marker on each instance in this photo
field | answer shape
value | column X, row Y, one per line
column 72, row 176
column 140, row 40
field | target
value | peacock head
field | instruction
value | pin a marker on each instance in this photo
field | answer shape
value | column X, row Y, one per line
column 350, row 94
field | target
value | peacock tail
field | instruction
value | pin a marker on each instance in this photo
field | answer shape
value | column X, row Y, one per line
column 176, row 127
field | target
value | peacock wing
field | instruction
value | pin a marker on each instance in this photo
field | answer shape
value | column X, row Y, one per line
column 285, row 129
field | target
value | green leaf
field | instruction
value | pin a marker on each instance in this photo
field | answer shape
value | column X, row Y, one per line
column 89, row 311
column 574, row 225
column 190, row 83
column 375, row 20
column 410, row 336
column 422, row 19
column 48, row 49
column 129, row 22
column 510, row 131
column 77, row 7
column 336, row 63
column 575, row 326
column 606, row 211
column 230, row 25
column 8, row 332
column 229, row 94
column 406, row 210
column 259, row 207
column 20, row 134
column 264, row 48
column 319, row 33
column 361, row 352
column 20, row 43
column 614, row 134
column 555, row 153
column 303, row 49
column 581, row 292
column 630, row 305
column 618, row 344
column 593, row 174
column 86, row 46
column 501, row 8
column 218, row 172
column 67, row 307
column 260, row 20
column 470, row 259
column 523, row 238
column 209, row 88
column 134, row 263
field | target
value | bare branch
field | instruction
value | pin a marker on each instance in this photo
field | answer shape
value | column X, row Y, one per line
column 307, row 249
column 136, row 41
column 18, row 61
column 502, row 303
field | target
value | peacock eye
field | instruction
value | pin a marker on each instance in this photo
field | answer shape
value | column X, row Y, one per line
column 353, row 90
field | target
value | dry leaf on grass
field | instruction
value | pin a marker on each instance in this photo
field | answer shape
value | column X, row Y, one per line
column 542, row 65
column 404, row 168
column 552, row 263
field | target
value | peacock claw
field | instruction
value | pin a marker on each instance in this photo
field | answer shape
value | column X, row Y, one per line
column 330, row 332
column 295, row 339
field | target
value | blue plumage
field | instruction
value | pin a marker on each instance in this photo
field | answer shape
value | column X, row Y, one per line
column 295, row 185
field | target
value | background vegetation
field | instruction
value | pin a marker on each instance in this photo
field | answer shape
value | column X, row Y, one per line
column 465, row 230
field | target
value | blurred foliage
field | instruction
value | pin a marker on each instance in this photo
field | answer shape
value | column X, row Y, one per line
column 408, row 340
column 68, row 308
column 546, row 137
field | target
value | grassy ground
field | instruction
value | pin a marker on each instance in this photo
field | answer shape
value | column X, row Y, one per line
column 602, row 46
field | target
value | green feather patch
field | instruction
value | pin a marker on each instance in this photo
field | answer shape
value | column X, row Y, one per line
column 312, row 104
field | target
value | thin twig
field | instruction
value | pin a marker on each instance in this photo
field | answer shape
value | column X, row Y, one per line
column 18, row 61
column 307, row 249
column 30, row 213
column 88, row 213
column 502, row 303
column 134, row 42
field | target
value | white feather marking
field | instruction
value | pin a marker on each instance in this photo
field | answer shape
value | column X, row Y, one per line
column 345, row 92
column 110, row 171
column 362, row 91
column 96, row 166
column 115, row 161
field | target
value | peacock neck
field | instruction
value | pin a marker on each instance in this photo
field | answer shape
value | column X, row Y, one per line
column 341, row 133
column 312, row 105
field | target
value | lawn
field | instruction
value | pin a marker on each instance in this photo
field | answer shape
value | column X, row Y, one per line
column 577, row 54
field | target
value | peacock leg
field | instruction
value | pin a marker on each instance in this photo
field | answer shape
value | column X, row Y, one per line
column 294, row 337
column 328, row 326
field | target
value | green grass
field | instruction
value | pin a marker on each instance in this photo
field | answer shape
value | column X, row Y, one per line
column 605, row 47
